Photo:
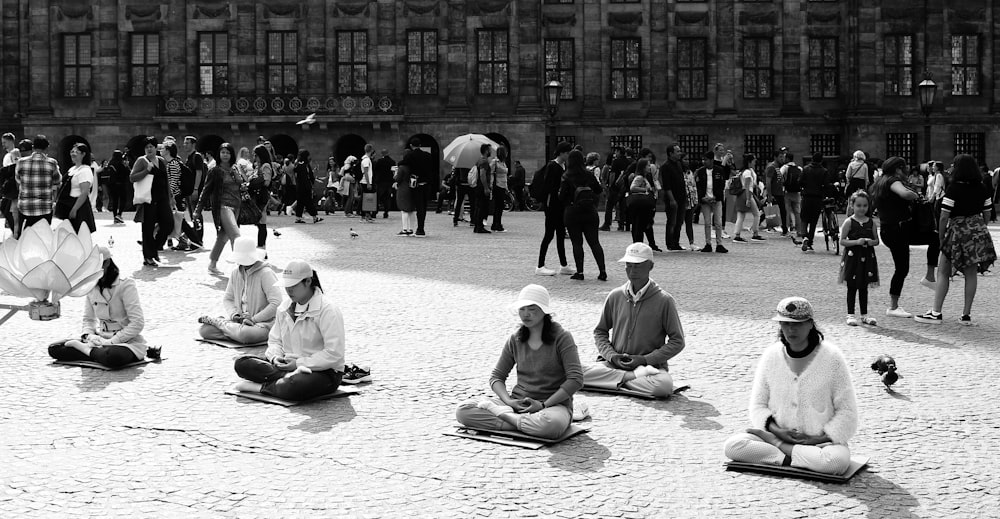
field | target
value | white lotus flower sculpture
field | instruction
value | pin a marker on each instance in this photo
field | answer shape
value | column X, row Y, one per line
column 48, row 264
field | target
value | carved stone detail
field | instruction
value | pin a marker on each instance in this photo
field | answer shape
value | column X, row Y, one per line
column 481, row 7
column 422, row 6
column 282, row 9
column 143, row 13
column 74, row 11
column 625, row 21
column 352, row 7
column 211, row 10
column 759, row 18
column 691, row 17
column 549, row 19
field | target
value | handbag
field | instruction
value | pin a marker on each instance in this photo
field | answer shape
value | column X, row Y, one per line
column 64, row 202
column 143, row 190
column 369, row 202
column 249, row 213
column 921, row 221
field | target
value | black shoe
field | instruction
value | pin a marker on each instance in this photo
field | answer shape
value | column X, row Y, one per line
column 605, row 227
column 420, row 233
column 707, row 248
column 603, row 276
column 656, row 249
column 481, row 230
column 455, row 222
column 740, row 239
column 757, row 237
column 386, row 215
column 354, row 374
column 150, row 262
column 578, row 276
column 720, row 249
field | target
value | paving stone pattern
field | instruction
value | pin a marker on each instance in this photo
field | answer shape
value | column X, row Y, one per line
column 429, row 316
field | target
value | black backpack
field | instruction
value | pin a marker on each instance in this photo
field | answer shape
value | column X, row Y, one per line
column 793, row 179
column 537, row 189
column 187, row 180
column 584, row 196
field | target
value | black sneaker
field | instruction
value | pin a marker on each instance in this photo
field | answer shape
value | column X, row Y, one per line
column 707, row 248
column 930, row 317
column 420, row 234
column 965, row 320
column 757, row 237
column 354, row 374
column 578, row 276
column 720, row 249
column 740, row 239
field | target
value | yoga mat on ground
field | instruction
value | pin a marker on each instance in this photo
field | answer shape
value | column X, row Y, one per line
column 629, row 392
column 857, row 463
column 232, row 344
column 268, row 399
column 95, row 365
column 514, row 438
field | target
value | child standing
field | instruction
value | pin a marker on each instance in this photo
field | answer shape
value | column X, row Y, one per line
column 858, row 267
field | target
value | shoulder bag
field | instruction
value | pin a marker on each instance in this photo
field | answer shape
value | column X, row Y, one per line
column 249, row 212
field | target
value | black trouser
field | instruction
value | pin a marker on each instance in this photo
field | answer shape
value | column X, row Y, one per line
column 6, row 206
column 582, row 224
column 554, row 228
column 675, row 218
column 812, row 207
column 157, row 224
column 854, row 185
column 517, row 188
column 419, row 197
column 305, row 203
column 641, row 209
column 383, row 191
column 899, row 246
column 84, row 215
column 499, row 196
column 300, row 386
column 779, row 200
column 461, row 191
column 28, row 221
column 112, row 356
column 609, row 207
column 689, row 224
column 481, row 207
column 116, row 199
column 862, row 295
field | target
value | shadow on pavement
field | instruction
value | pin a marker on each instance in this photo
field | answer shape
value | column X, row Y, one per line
column 893, row 500
column 910, row 337
column 696, row 413
column 580, row 454
column 322, row 416
column 93, row 380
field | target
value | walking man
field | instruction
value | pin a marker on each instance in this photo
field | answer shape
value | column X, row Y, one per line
column 37, row 177
column 774, row 190
column 383, row 181
column 791, row 175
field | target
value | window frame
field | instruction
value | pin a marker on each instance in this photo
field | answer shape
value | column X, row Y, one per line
column 75, row 70
column 423, row 65
column 692, row 68
column 626, row 142
column 903, row 145
column 979, row 146
column 761, row 145
column 213, row 64
column 493, row 62
column 964, row 66
column 353, row 64
column 822, row 67
column 832, row 141
column 561, row 70
column 756, row 70
column 899, row 70
column 283, row 63
column 689, row 143
column 625, row 70
column 145, row 66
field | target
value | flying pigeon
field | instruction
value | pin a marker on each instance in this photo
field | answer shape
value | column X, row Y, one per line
column 885, row 366
column 310, row 119
column 354, row 234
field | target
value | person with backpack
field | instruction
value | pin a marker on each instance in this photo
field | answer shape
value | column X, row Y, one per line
column 481, row 182
column 641, row 203
column 260, row 190
column 614, row 170
column 792, row 175
column 579, row 192
column 545, row 189
column 815, row 183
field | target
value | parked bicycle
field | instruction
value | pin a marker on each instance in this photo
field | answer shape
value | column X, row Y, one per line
column 831, row 226
column 529, row 203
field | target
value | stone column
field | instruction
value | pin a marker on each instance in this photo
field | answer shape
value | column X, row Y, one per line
column 39, row 43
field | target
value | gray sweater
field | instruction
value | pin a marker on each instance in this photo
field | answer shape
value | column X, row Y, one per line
column 542, row 372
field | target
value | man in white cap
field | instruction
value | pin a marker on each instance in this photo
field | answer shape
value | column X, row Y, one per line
column 647, row 332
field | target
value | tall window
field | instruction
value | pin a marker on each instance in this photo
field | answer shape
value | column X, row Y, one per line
column 352, row 62
column 757, row 68
column 282, row 56
column 902, row 145
column 972, row 144
column 213, row 63
column 823, row 75
column 627, row 142
column 422, row 62
column 145, row 65
column 492, row 61
column 826, row 143
column 559, row 65
column 692, row 68
column 965, row 65
column 760, row 146
column 694, row 146
column 76, row 65
column 899, row 65
column 626, row 68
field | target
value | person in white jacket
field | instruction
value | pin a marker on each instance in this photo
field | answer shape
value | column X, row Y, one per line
column 251, row 299
column 305, row 348
column 112, row 323
column 802, row 406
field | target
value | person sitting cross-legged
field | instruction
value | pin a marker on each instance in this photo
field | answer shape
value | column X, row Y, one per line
column 548, row 373
column 305, row 348
column 802, row 406
column 251, row 299
column 638, row 333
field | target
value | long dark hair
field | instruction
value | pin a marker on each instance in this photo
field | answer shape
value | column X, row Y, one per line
column 815, row 337
column 264, row 156
column 315, row 281
column 574, row 166
column 965, row 169
column 111, row 273
column 85, row 150
column 548, row 331
column 892, row 170
column 232, row 155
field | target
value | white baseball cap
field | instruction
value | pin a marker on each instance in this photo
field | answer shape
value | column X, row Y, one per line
column 294, row 273
column 532, row 295
column 637, row 253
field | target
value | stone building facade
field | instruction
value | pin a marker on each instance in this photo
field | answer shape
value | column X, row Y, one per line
column 813, row 75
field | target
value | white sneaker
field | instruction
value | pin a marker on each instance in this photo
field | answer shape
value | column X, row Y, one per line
column 567, row 270
column 852, row 321
column 898, row 312
column 542, row 271
column 928, row 283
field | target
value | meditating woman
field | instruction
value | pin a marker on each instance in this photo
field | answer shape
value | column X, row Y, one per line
column 251, row 299
column 548, row 373
column 305, row 348
column 112, row 322
column 802, row 407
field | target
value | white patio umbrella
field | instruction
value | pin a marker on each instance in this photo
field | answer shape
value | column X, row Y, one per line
column 463, row 152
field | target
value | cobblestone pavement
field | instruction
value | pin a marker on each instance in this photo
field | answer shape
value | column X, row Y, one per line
column 429, row 316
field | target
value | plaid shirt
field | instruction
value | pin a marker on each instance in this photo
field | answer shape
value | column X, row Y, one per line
column 37, row 177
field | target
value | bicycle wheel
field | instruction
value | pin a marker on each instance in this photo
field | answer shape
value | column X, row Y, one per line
column 826, row 228
column 508, row 201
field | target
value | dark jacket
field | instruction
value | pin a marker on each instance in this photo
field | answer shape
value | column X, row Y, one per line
column 718, row 182
column 814, row 180
column 421, row 165
column 571, row 181
column 672, row 179
column 383, row 170
column 553, row 179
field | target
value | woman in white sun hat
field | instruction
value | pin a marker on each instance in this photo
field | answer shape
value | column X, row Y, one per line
column 305, row 348
column 802, row 407
column 548, row 373
column 251, row 299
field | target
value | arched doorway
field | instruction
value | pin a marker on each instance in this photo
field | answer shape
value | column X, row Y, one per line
column 209, row 143
column 64, row 146
column 284, row 145
column 500, row 139
column 350, row 144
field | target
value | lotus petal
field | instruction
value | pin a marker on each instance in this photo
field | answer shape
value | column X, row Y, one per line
column 48, row 277
column 13, row 286
column 85, row 285
column 93, row 263
column 85, row 238
column 69, row 255
column 33, row 249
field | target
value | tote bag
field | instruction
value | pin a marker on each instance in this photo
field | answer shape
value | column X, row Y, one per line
column 143, row 190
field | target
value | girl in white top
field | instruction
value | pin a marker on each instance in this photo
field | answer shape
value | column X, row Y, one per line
column 746, row 202
column 802, row 406
column 81, row 184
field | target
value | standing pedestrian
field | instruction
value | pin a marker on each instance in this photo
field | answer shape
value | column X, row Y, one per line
column 858, row 265
column 791, row 175
column 579, row 192
column 383, row 182
column 8, row 186
column 222, row 195
column 425, row 177
column 305, row 178
column 746, row 201
column 857, row 175
column 499, row 188
column 615, row 168
column 815, row 184
column 710, row 180
column 406, row 182
column 348, row 185
column 367, row 181
column 483, row 188
column 157, row 214
column 774, row 189
column 554, row 225
column 77, row 208
column 260, row 190
column 640, row 202
column 672, row 173
column 37, row 177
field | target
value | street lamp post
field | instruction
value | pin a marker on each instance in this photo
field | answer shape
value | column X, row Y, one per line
column 927, row 89
column 553, row 92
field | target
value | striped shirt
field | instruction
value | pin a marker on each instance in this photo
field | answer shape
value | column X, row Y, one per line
column 174, row 177
column 37, row 177
column 966, row 199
